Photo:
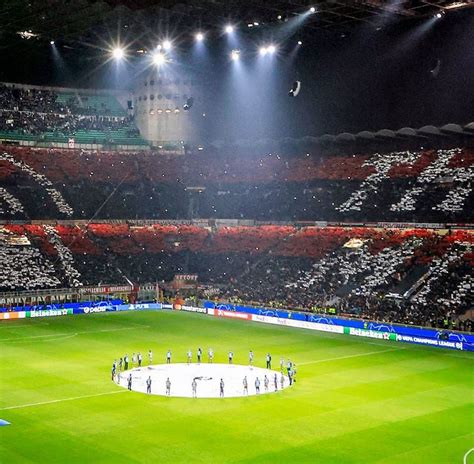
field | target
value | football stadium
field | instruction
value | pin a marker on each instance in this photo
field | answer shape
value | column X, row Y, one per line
column 237, row 231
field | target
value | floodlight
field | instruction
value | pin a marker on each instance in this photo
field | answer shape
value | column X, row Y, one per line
column 271, row 49
column 199, row 36
column 52, row 42
column 312, row 9
column 235, row 55
column 159, row 58
column 263, row 51
column 229, row 29
column 117, row 53
column 167, row 45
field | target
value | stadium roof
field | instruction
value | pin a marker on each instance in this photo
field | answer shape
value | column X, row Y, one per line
column 425, row 132
column 88, row 19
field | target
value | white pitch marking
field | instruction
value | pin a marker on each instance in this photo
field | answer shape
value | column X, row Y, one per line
column 75, row 333
column 346, row 357
column 49, row 338
column 20, row 406
column 466, row 455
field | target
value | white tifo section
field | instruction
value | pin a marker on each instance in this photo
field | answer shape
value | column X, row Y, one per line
column 208, row 377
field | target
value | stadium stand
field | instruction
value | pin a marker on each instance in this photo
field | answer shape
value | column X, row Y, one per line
column 424, row 186
column 353, row 270
column 45, row 116
column 410, row 263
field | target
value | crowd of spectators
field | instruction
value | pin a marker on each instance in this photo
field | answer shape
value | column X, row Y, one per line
column 27, row 123
column 434, row 186
column 32, row 100
column 38, row 111
column 25, row 268
column 351, row 271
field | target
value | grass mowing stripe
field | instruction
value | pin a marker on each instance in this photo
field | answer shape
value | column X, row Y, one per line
column 21, row 406
column 362, row 409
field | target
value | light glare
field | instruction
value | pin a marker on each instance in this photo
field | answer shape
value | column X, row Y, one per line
column 159, row 58
column 229, row 29
column 167, row 45
column 117, row 53
column 199, row 36
column 235, row 55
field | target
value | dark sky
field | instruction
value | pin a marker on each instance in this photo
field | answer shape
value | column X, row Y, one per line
column 368, row 80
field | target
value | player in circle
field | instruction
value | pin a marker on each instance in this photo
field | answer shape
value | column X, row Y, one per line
column 221, row 388
column 231, row 357
column 246, row 386
column 257, row 386
column 194, row 388
column 168, row 386
column 148, row 384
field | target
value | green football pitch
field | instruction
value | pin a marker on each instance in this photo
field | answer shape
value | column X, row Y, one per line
column 355, row 401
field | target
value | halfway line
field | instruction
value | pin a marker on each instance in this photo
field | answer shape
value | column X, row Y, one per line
column 19, row 406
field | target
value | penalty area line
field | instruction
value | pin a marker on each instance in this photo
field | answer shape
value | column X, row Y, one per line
column 347, row 357
column 20, row 406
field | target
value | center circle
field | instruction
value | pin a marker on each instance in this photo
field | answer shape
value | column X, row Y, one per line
column 207, row 378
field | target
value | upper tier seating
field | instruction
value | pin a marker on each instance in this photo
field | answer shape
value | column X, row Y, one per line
column 427, row 186
column 83, row 103
column 43, row 116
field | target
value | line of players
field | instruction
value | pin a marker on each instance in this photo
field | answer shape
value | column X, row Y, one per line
column 266, row 383
column 137, row 360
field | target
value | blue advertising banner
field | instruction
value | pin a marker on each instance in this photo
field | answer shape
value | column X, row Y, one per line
column 78, row 308
column 401, row 333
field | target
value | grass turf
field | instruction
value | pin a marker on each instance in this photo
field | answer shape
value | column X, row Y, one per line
column 356, row 400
